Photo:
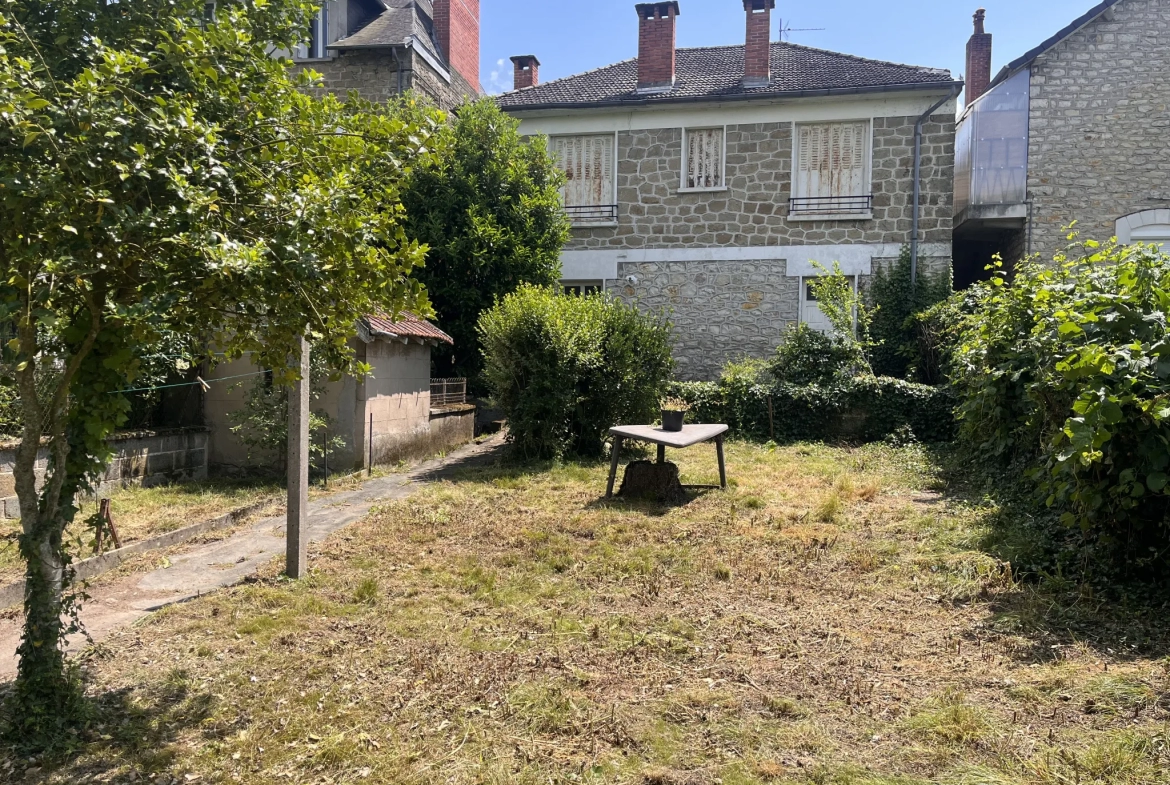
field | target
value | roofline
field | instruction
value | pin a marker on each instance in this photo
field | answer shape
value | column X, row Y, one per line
column 704, row 99
column 1031, row 55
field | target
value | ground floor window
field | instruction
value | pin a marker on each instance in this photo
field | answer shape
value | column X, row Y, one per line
column 810, row 310
column 580, row 288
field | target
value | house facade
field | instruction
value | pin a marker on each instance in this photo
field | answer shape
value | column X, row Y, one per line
column 1077, row 129
column 382, row 48
column 713, row 181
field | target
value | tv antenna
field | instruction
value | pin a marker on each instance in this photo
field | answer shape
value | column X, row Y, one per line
column 786, row 32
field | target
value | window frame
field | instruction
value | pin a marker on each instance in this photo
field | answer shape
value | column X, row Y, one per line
column 587, row 223
column 319, row 52
column 867, row 174
column 683, row 188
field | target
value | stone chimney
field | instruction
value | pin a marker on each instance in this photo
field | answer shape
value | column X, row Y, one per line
column 978, row 60
column 526, row 72
column 757, row 55
column 656, row 45
column 457, row 30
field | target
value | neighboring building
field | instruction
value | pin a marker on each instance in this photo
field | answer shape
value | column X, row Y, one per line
column 709, row 180
column 1078, row 129
column 382, row 48
column 407, row 421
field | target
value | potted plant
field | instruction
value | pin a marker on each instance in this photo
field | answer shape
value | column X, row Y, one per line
column 674, row 411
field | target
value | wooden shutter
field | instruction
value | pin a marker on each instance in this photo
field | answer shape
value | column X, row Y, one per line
column 832, row 160
column 587, row 162
column 705, row 158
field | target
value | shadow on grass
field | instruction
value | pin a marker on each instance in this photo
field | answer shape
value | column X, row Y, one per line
column 1064, row 594
column 128, row 730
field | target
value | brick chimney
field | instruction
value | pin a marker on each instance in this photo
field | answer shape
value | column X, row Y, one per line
column 457, row 30
column 978, row 60
column 757, row 64
column 656, row 39
column 526, row 71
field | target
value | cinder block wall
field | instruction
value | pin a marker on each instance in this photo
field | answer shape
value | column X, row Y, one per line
column 140, row 458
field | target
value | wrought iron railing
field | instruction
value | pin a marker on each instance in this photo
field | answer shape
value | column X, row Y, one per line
column 592, row 213
column 830, row 205
column 446, row 392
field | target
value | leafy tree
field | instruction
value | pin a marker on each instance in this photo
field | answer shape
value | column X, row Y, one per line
column 490, row 211
column 159, row 171
column 846, row 310
column 895, row 304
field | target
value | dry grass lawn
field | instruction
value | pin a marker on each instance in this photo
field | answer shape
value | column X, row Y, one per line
column 833, row 619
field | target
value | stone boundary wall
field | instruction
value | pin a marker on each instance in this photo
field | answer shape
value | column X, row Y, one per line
column 447, row 428
column 140, row 458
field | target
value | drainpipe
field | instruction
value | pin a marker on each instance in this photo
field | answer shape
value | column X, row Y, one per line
column 397, row 68
column 918, row 179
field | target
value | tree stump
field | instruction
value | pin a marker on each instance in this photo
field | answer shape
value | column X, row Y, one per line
column 655, row 482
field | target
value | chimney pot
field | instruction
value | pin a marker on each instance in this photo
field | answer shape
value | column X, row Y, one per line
column 757, row 53
column 526, row 71
column 656, row 45
column 978, row 60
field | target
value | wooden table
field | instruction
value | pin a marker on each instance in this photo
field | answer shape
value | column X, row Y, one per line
column 689, row 436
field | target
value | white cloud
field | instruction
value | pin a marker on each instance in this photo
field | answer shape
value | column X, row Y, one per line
column 500, row 79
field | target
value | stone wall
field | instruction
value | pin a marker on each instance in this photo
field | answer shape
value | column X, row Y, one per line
column 1100, row 125
column 372, row 73
column 140, row 458
column 720, row 310
column 753, row 210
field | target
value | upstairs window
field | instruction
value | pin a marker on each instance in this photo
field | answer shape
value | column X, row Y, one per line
column 703, row 163
column 831, row 174
column 588, row 164
column 318, row 38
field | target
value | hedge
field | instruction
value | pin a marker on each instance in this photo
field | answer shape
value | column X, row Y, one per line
column 863, row 409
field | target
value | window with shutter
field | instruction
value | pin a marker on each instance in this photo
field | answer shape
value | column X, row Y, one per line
column 704, row 158
column 831, row 169
column 588, row 163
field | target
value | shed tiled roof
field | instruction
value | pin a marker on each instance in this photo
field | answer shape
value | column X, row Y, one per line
column 406, row 326
column 716, row 73
column 401, row 20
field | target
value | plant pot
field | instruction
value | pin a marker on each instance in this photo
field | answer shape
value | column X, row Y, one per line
column 672, row 421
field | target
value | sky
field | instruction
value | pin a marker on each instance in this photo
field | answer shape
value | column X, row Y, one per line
column 571, row 36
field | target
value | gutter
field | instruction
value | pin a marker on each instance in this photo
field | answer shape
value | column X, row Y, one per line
column 956, row 90
column 712, row 99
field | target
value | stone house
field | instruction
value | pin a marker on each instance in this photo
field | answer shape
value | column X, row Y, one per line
column 394, row 406
column 709, row 181
column 382, row 48
column 1077, row 129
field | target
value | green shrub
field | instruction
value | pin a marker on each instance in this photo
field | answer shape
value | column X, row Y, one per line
column 9, row 411
column 861, row 409
column 1063, row 375
column 565, row 369
column 893, row 329
column 806, row 356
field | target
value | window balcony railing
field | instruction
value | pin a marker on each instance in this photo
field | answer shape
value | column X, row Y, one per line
column 448, row 392
column 592, row 213
column 830, row 205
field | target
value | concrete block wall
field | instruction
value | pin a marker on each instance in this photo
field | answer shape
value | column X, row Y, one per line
column 140, row 458
column 1100, row 125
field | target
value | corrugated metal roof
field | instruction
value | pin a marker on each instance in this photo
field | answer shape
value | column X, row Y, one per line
column 406, row 326
column 716, row 73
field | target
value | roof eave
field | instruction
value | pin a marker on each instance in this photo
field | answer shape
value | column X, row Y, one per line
column 781, row 94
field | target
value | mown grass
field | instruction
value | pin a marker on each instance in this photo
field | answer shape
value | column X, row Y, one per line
column 830, row 620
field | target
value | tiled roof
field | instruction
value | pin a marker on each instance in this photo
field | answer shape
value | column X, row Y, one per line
column 394, row 26
column 406, row 326
column 716, row 73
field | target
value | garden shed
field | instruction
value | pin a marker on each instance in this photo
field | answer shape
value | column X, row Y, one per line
column 390, row 415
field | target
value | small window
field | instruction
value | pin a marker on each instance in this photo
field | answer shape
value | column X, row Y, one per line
column 832, row 169
column 704, row 160
column 582, row 288
column 588, row 164
column 318, row 38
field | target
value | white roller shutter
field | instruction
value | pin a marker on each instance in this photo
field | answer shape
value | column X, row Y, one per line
column 831, row 160
column 704, row 158
column 587, row 162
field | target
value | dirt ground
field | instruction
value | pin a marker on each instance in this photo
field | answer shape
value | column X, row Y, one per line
column 836, row 617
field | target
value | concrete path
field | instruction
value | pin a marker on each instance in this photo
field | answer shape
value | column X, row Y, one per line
column 205, row 568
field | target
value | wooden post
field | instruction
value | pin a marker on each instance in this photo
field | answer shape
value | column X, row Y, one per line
column 662, row 453
column 298, row 470
column 613, row 466
column 771, row 421
column 370, row 468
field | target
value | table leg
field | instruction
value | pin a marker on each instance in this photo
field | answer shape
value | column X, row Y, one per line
column 662, row 453
column 613, row 466
column 722, row 464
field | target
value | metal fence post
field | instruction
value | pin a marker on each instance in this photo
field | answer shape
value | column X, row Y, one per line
column 370, row 467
